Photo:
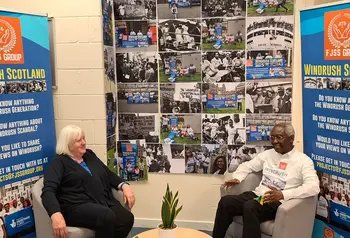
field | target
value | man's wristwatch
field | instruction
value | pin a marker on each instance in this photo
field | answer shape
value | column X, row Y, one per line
column 121, row 186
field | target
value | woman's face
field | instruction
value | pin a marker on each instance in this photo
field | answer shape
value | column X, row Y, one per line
column 79, row 146
column 220, row 163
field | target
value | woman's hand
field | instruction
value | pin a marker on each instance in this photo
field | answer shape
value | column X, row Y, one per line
column 129, row 196
column 59, row 225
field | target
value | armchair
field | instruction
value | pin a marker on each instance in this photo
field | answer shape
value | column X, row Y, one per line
column 294, row 218
column 43, row 222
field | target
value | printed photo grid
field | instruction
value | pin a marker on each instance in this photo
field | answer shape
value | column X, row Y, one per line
column 202, row 82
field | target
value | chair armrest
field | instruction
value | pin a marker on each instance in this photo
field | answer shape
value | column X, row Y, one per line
column 295, row 218
column 119, row 196
column 248, row 184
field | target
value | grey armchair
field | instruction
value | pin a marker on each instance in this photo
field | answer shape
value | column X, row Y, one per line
column 294, row 218
column 43, row 221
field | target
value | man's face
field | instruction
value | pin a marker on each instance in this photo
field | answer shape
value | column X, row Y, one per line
column 281, row 92
column 280, row 141
column 14, row 203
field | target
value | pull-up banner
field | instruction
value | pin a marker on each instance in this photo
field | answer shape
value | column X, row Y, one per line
column 325, row 42
column 27, row 132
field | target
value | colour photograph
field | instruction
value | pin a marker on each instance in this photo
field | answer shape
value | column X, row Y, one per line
column 180, row 129
column 179, row 67
column 223, row 97
column 223, row 33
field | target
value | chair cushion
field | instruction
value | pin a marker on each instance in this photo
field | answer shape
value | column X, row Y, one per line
column 265, row 227
column 79, row 232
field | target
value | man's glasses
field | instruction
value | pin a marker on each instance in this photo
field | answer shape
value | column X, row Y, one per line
column 278, row 138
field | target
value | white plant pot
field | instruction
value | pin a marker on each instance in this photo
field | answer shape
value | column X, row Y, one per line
column 167, row 233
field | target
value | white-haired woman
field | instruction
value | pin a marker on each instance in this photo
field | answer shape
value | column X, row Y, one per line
column 78, row 190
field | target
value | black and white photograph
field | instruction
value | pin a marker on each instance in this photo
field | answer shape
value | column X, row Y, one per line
column 223, row 129
column 176, row 67
column 327, row 83
column 333, row 83
column 223, row 8
column 109, row 68
column 2, row 88
column 311, row 82
column 36, row 86
column 223, row 98
column 269, row 33
column 176, row 9
column 137, row 67
column 345, row 84
column 136, row 36
column 223, row 33
column 223, row 66
column 180, row 98
column 269, row 65
column 270, row 7
column 138, row 98
column 165, row 158
column 180, row 129
column 143, row 126
column 13, row 87
column 259, row 127
column 238, row 154
column 268, row 97
column 135, row 9
column 206, row 159
column 179, row 35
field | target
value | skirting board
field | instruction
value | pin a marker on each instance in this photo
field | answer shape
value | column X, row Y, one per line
column 153, row 223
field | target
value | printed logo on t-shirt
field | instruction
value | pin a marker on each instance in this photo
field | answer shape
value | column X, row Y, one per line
column 274, row 178
column 282, row 165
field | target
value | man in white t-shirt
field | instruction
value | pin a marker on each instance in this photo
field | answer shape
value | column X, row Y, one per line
column 287, row 174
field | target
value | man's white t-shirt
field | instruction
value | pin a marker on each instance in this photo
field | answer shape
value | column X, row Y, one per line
column 292, row 173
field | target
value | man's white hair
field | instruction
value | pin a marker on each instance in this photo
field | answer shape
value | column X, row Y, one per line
column 288, row 128
column 68, row 135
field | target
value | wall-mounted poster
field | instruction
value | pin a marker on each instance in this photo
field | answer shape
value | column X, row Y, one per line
column 198, row 77
column 325, row 71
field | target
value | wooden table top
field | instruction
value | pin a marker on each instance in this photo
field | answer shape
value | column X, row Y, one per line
column 180, row 233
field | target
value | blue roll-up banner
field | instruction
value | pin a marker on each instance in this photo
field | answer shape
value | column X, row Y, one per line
column 266, row 68
column 221, row 101
column 27, row 129
column 218, row 29
column 325, row 44
column 129, row 152
column 139, row 98
column 134, row 41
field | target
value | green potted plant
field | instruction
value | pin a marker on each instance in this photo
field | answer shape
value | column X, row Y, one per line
column 170, row 210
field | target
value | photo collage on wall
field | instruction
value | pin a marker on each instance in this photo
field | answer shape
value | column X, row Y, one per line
column 200, row 83
column 110, row 82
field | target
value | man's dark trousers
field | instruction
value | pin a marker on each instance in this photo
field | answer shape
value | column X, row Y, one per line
column 243, row 205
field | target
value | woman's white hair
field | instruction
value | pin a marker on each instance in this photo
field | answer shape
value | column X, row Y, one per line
column 68, row 135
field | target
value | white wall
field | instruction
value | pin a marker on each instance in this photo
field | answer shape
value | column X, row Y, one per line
column 80, row 97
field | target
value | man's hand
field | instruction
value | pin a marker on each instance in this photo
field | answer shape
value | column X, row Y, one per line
column 128, row 195
column 230, row 183
column 59, row 225
column 272, row 195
